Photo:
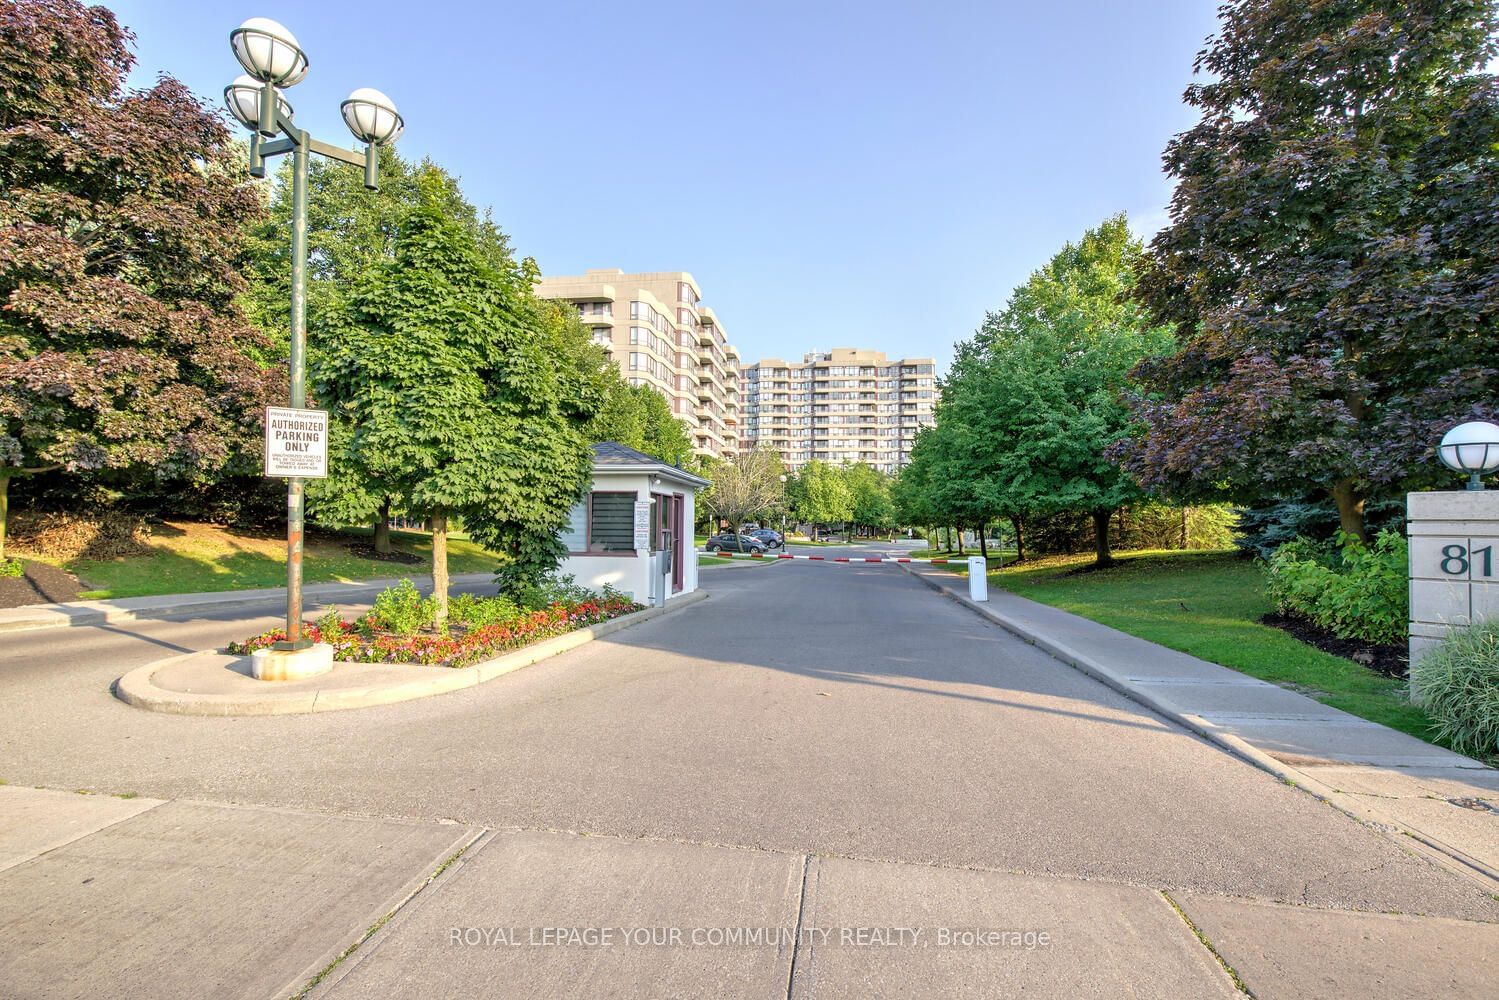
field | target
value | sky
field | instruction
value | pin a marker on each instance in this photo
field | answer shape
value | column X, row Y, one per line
column 877, row 174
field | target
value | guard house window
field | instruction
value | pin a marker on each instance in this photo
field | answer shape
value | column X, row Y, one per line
column 611, row 522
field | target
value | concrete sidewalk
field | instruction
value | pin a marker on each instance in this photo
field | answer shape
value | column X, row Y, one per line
column 1443, row 801
column 130, row 609
column 151, row 898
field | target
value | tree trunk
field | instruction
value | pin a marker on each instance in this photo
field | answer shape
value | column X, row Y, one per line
column 382, row 529
column 1185, row 538
column 983, row 543
column 1350, row 509
column 439, row 522
column 4, row 512
column 960, row 539
column 1019, row 524
column 1101, row 519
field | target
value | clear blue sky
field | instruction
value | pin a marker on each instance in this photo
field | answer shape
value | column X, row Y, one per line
column 874, row 174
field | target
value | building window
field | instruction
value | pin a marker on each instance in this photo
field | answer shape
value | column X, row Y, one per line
column 611, row 522
column 575, row 535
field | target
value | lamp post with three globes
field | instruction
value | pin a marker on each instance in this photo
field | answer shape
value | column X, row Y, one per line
column 272, row 59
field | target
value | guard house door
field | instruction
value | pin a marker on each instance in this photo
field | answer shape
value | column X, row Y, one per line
column 669, row 534
column 677, row 548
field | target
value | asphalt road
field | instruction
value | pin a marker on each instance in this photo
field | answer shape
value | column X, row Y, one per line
column 830, row 710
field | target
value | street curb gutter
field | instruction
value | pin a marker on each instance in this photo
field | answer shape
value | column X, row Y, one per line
column 136, row 687
column 79, row 614
column 1443, row 854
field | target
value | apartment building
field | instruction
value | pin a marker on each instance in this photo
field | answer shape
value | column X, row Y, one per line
column 841, row 406
column 657, row 330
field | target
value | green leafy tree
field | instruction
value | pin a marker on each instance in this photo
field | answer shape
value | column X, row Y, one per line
column 824, row 495
column 351, row 239
column 1331, row 255
column 639, row 417
column 911, row 491
column 1036, row 400
column 123, row 356
column 870, row 489
column 445, row 369
column 960, row 454
column 351, row 236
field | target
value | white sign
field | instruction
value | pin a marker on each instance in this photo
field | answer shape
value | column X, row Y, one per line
column 296, row 442
column 642, row 524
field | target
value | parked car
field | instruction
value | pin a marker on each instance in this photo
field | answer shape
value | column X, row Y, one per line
column 772, row 539
column 734, row 543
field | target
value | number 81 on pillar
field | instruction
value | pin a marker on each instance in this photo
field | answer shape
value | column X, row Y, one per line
column 1468, row 561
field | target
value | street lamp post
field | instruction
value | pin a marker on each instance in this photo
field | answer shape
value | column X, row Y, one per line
column 272, row 59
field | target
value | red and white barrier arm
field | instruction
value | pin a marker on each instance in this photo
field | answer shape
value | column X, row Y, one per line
column 836, row 559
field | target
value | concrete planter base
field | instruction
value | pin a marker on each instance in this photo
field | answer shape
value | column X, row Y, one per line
column 291, row 664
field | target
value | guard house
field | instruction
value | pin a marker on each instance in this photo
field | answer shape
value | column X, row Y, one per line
column 634, row 529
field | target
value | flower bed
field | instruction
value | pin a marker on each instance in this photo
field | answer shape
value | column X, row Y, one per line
column 364, row 641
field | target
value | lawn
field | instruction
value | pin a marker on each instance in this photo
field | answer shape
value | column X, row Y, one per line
column 704, row 561
column 187, row 557
column 1209, row 604
column 996, row 557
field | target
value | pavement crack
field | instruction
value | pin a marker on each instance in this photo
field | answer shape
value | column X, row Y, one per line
column 1306, row 888
column 374, row 928
column 1233, row 974
column 796, row 940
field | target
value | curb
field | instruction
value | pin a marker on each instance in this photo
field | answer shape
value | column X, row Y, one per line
column 84, row 613
column 137, row 690
column 1447, row 856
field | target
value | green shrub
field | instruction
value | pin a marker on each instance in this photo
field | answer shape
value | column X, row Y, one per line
column 1263, row 530
column 330, row 627
column 1458, row 685
column 12, row 567
column 402, row 610
column 477, row 612
column 1355, row 591
column 550, row 590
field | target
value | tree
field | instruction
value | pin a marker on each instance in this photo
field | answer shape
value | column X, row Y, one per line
column 911, row 490
column 870, row 492
column 1331, row 254
column 445, row 368
column 639, row 417
column 351, row 238
column 824, row 494
column 961, row 455
column 1034, row 403
column 122, row 353
column 744, row 486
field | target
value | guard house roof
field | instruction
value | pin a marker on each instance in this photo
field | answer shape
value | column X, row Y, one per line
column 613, row 457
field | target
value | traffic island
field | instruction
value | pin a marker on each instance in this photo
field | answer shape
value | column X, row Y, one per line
column 223, row 684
